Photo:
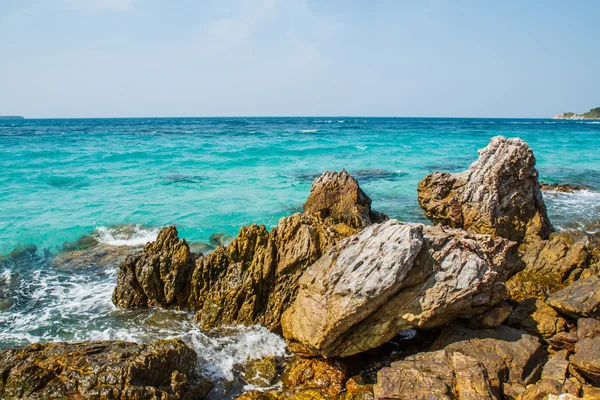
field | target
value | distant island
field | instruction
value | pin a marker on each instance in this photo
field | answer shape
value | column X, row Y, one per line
column 594, row 113
column 11, row 117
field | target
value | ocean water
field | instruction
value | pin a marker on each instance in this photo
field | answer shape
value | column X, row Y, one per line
column 118, row 181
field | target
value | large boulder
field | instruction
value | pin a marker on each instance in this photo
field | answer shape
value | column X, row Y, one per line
column 254, row 278
column 499, row 194
column 580, row 299
column 165, row 369
column 468, row 364
column 392, row 277
column 553, row 264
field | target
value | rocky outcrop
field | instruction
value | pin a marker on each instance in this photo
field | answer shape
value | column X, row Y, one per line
column 580, row 299
column 470, row 364
column 499, row 194
column 254, row 278
column 491, row 318
column 306, row 374
column 391, row 277
column 563, row 188
column 553, row 264
column 164, row 369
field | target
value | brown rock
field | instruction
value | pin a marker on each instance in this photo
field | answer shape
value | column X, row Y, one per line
column 586, row 359
column 563, row 188
column 499, row 194
column 471, row 364
column 254, row 278
column 588, row 328
column 336, row 198
column 491, row 318
column 102, row 370
column 327, row 377
column 563, row 341
column 580, row 299
column 554, row 264
column 392, row 277
column 509, row 355
column 556, row 368
column 538, row 318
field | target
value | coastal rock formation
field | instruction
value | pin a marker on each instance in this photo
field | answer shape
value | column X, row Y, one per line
column 558, row 187
column 580, row 299
column 553, row 264
column 499, row 194
column 164, row 369
column 254, row 278
column 391, row 277
column 470, row 364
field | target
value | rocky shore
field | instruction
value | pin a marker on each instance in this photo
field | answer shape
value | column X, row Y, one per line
column 487, row 303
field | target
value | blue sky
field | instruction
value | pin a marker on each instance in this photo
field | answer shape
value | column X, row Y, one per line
column 119, row 58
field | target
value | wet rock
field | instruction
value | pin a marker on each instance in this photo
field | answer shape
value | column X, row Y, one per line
column 357, row 389
column 104, row 370
column 98, row 255
column 392, row 277
column 586, row 359
column 536, row 317
column 499, row 194
column 327, row 377
column 508, row 355
column 157, row 276
column 588, row 328
column 491, row 318
column 254, row 278
column 580, row 299
column 554, row 264
column 262, row 372
column 563, row 188
column 219, row 239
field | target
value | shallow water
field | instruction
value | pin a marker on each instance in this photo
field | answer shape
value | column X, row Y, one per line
column 118, row 181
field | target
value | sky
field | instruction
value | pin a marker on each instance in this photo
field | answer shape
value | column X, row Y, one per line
column 420, row 58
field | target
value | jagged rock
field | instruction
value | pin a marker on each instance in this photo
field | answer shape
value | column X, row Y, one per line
column 392, row 277
column 356, row 389
column 491, row 318
column 499, row 194
column 164, row 369
column 563, row 188
column 538, row 318
column 588, row 328
column 435, row 375
column 254, row 278
column 327, row 377
column 586, row 359
column 509, row 355
column 261, row 372
column 553, row 264
column 580, row 299
column 557, row 366
column 563, row 341
column 337, row 199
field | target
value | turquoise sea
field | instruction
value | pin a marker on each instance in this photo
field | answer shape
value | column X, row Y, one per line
column 119, row 180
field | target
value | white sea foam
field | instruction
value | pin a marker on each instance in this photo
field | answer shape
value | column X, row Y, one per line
column 133, row 236
column 361, row 147
column 308, row 130
column 573, row 210
column 61, row 306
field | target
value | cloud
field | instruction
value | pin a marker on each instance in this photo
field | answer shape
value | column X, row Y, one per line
column 99, row 6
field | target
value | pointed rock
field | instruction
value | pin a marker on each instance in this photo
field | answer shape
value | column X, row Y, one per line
column 499, row 194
